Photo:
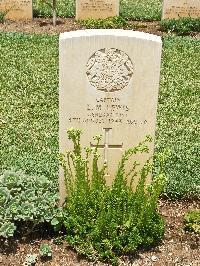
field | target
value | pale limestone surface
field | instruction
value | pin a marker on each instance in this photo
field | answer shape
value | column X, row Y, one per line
column 109, row 81
column 17, row 9
column 180, row 8
column 96, row 9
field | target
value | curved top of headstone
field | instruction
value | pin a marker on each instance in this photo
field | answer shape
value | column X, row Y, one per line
column 110, row 32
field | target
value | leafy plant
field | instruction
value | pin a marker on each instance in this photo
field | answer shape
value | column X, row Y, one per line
column 45, row 250
column 182, row 26
column 59, row 240
column 108, row 23
column 25, row 198
column 192, row 221
column 3, row 15
column 102, row 222
column 30, row 260
column 7, row 228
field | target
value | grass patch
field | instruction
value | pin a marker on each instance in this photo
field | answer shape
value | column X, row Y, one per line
column 29, row 108
column 135, row 9
column 108, row 23
column 141, row 9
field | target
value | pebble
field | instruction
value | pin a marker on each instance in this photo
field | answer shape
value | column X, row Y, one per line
column 154, row 258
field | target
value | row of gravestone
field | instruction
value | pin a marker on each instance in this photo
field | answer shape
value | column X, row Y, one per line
column 108, row 85
column 22, row 9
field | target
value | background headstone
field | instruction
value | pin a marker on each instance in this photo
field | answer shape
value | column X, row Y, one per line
column 96, row 9
column 18, row 9
column 109, row 82
column 180, row 8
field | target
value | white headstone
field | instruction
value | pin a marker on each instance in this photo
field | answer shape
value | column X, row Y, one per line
column 174, row 9
column 109, row 81
column 96, row 9
column 17, row 9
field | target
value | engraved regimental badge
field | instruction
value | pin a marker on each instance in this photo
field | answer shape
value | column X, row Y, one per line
column 109, row 70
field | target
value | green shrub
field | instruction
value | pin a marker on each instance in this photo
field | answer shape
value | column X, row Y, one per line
column 102, row 222
column 30, row 260
column 45, row 250
column 108, row 23
column 182, row 26
column 25, row 198
column 192, row 221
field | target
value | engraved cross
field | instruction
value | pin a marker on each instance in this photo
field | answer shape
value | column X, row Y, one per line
column 106, row 146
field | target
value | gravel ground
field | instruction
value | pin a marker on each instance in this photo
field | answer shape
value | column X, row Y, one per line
column 42, row 26
column 178, row 248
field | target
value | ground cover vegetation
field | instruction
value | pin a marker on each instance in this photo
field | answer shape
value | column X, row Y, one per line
column 182, row 26
column 192, row 221
column 25, row 199
column 178, row 115
column 29, row 109
column 29, row 104
column 134, row 9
